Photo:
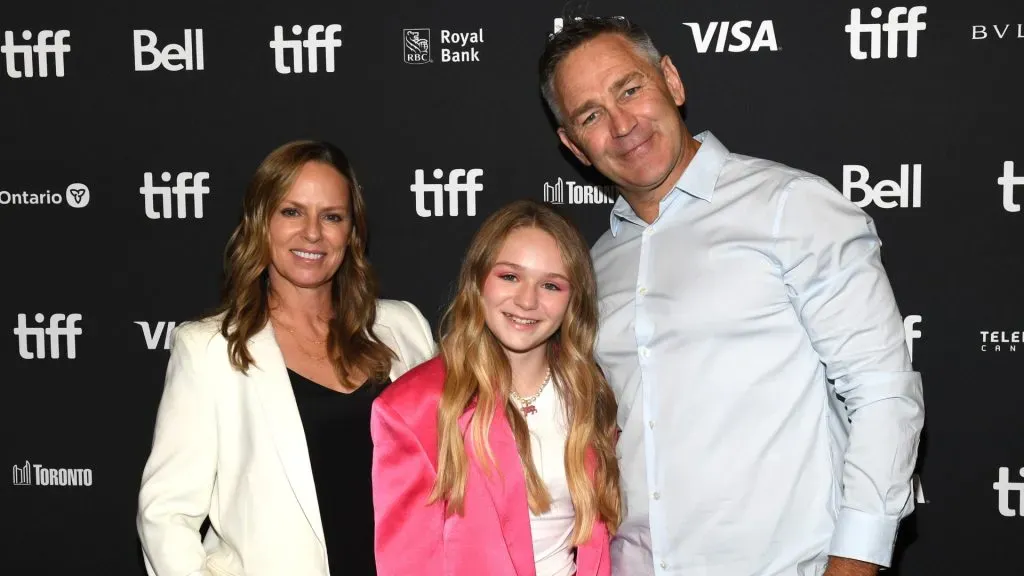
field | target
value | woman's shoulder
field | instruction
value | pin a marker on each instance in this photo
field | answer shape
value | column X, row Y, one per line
column 419, row 387
column 397, row 312
column 204, row 332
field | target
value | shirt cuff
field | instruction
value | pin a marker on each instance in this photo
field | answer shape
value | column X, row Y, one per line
column 866, row 537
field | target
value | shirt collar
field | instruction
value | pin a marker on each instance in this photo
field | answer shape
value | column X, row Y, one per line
column 698, row 180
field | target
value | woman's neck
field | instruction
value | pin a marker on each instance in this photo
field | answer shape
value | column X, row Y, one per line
column 528, row 370
column 300, row 306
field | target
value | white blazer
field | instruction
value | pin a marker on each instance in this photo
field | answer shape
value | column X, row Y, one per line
column 231, row 447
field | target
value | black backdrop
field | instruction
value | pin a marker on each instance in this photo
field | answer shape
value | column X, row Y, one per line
column 82, row 139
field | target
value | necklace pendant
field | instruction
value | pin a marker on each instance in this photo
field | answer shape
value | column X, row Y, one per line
column 531, row 409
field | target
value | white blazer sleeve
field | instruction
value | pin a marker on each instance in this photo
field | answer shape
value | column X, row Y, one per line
column 177, row 482
column 427, row 347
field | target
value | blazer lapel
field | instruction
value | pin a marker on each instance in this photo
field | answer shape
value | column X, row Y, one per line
column 270, row 378
column 506, row 486
column 387, row 337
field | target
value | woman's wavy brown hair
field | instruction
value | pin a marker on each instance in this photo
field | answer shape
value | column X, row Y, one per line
column 477, row 369
column 351, row 343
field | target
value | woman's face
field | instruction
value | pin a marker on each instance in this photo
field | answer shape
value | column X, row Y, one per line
column 310, row 230
column 526, row 292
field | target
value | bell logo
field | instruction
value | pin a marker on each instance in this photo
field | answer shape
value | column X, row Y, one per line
column 891, row 29
column 1009, row 181
column 187, row 184
column 153, row 333
column 734, row 36
column 47, row 42
column 61, row 325
column 313, row 43
column 1004, row 488
column 911, row 333
column 459, row 181
column 190, row 52
column 887, row 193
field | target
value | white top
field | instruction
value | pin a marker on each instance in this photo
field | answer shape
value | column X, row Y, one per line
column 552, row 531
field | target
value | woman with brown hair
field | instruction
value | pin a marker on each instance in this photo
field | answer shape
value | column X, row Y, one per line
column 263, row 426
column 498, row 456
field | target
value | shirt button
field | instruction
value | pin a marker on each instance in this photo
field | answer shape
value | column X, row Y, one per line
column 657, row 495
column 663, row 565
column 644, row 352
column 642, row 291
column 650, row 423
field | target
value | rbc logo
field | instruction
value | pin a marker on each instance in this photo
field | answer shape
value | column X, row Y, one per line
column 417, row 45
column 187, row 184
column 191, row 52
column 61, row 325
column 884, row 194
column 454, row 186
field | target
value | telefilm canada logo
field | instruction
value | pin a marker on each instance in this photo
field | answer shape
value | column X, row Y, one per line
column 456, row 47
column 75, row 195
column 1001, row 340
column 29, row 474
column 569, row 192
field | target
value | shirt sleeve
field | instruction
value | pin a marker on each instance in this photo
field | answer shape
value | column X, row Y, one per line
column 830, row 256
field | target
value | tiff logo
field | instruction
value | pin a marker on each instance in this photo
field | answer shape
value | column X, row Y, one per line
column 187, row 184
column 911, row 333
column 417, row 45
column 734, row 36
column 313, row 43
column 191, row 52
column 887, row 193
column 1008, row 181
column 152, row 334
column 47, row 42
column 891, row 29
column 1004, row 487
column 455, row 185
column 60, row 325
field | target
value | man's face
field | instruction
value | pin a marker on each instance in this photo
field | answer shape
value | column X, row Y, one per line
column 620, row 113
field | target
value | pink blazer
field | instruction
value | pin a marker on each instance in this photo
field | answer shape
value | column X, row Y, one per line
column 415, row 538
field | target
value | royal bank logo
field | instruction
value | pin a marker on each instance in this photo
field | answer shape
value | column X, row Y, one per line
column 33, row 59
column 1009, row 182
column 416, row 46
column 733, row 36
column 456, row 47
column 75, row 195
column 900, row 21
column 569, row 192
column 30, row 474
column 1005, row 489
column 1000, row 340
column 154, row 332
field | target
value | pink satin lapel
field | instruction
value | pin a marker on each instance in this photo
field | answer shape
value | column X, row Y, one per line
column 505, row 485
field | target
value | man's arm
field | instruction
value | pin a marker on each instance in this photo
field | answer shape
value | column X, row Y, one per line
column 829, row 252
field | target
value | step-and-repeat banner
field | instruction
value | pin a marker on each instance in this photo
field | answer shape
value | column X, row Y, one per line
column 130, row 130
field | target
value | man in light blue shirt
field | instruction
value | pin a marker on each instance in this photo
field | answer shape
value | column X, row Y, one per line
column 770, row 416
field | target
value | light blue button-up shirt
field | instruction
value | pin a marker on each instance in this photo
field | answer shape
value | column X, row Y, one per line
column 770, row 416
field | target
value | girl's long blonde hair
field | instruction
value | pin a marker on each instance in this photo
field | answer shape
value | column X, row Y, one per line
column 476, row 367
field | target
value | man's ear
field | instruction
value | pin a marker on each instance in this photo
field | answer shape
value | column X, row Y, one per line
column 567, row 141
column 672, row 79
